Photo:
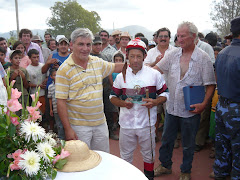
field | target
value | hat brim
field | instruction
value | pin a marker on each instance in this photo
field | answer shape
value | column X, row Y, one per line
column 93, row 160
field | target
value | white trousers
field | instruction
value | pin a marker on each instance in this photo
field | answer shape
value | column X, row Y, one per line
column 96, row 137
column 129, row 138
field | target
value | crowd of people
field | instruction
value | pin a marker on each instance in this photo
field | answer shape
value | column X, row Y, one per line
column 93, row 85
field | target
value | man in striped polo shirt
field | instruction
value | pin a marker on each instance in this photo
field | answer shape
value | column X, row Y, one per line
column 79, row 93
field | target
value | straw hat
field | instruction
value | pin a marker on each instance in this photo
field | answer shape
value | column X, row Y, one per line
column 116, row 32
column 81, row 158
column 125, row 34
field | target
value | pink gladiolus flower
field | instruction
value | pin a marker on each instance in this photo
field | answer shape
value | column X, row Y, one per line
column 16, row 154
column 64, row 154
column 38, row 104
column 56, row 158
column 13, row 82
column 36, row 115
column 15, row 166
column 31, row 109
column 15, row 94
column 28, row 119
column 33, row 96
column 13, row 105
column 14, row 120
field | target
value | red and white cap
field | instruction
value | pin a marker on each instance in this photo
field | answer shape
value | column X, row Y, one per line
column 136, row 44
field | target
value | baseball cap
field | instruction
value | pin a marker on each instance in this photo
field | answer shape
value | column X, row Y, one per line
column 63, row 39
column 97, row 39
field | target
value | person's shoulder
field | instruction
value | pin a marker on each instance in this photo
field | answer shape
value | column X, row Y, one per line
column 152, row 50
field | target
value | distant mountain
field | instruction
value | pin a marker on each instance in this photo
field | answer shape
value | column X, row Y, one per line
column 132, row 30
column 39, row 32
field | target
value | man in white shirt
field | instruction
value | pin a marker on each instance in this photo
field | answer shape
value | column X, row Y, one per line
column 184, row 66
column 154, row 55
column 135, row 127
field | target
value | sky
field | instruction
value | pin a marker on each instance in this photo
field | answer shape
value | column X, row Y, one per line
column 151, row 14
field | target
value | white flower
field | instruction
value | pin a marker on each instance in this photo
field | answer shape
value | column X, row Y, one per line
column 31, row 129
column 30, row 163
column 45, row 149
column 50, row 140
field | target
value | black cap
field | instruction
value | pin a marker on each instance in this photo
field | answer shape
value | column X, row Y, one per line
column 97, row 39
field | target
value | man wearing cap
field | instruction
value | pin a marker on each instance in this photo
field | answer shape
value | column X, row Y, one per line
column 46, row 52
column 79, row 92
column 124, row 40
column 134, row 127
column 184, row 66
column 227, row 141
column 107, row 49
column 116, row 35
column 25, row 36
column 54, row 61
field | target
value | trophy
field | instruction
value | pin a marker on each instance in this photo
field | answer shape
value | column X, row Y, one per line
column 135, row 91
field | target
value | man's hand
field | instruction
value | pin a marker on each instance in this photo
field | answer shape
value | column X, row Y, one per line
column 149, row 102
column 52, row 61
column 21, row 74
column 198, row 108
column 128, row 104
column 158, row 58
column 70, row 135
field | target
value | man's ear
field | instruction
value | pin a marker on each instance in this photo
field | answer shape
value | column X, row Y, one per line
column 145, row 55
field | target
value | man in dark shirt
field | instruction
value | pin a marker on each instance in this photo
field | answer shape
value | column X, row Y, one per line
column 227, row 141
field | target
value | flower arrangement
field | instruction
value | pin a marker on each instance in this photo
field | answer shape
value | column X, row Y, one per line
column 26, row 150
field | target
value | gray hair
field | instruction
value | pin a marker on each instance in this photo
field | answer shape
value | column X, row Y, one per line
column 81, row 32
column 191, row 27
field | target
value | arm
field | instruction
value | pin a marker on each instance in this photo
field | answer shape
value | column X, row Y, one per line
column 110, row 80
column 158, row 58
column 154, row 102
column 51, row 107
column 208, row 96
column 50, row 61
column 121, row 103
column 118, row 67
column 63, row 114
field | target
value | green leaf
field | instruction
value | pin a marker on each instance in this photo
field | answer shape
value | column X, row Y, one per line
column 12, row 130
column 60, row 163
column 54, row 174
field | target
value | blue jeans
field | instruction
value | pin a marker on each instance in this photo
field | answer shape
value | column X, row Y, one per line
column 189, row 127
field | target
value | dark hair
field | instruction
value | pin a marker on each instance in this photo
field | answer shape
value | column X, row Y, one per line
column 164, row 29
column 16, row 44
column 235, row 34
column 200, row 35
column 145, row 40
column 103, row 31
column 118, row 55
column 2, row 39
column 211, row 39
column 53, row 70
column 139, row 35
column 31, row 52
column 48, row 44
column 217, row 48
column 17, row 52
column 24, row 31
column 2, row 50
column 47, row 33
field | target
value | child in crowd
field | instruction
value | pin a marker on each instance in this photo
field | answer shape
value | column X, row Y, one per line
column 37, row 79
column 53, row 105
column 2, row 58
column 16, row 73
column 25, row 61
column 118, row 57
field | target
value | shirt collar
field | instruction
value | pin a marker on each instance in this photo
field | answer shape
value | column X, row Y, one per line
column 194, row 56
column 72, row 63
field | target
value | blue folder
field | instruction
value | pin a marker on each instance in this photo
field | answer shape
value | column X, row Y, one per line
column 193, row 95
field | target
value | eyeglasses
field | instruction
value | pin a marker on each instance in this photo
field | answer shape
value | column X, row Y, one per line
column 165, row 36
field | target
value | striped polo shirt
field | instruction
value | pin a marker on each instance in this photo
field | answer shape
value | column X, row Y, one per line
column 83, row 90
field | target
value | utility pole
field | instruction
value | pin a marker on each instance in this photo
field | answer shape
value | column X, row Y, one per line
column 16, row 7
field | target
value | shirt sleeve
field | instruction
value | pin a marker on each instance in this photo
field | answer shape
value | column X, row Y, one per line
column 2, row 71
column 164, row 63
column 162, row 89
column 62, row 84
column 49, row 95
column 208, row 75
column 107, row 68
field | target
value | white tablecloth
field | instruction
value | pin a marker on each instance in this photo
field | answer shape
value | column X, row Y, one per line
column 110, row 168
